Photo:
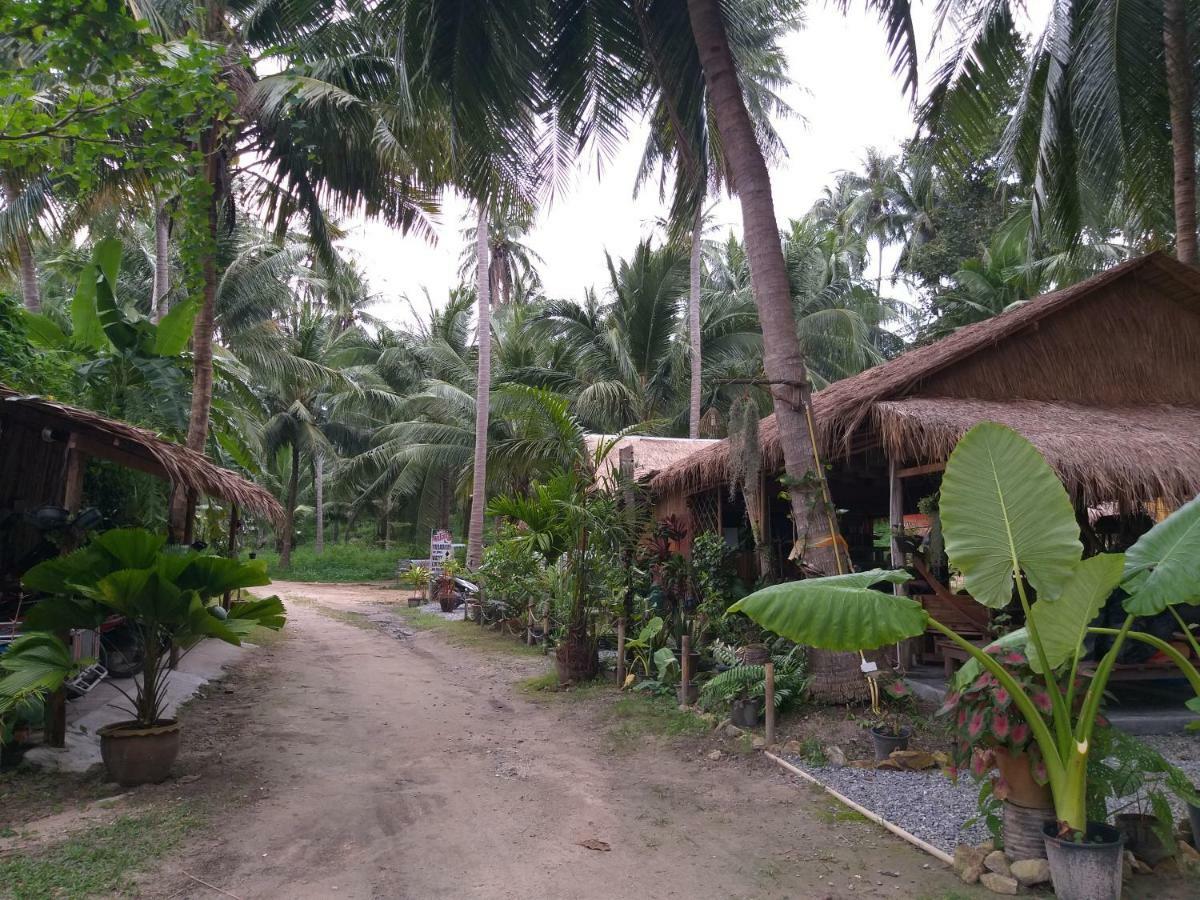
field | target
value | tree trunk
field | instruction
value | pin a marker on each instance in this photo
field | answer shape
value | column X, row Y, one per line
column 1183, row 132
column 694, row 324
column 162, row 261
column 444, row 497
column 202, row 331
column 483, row 387
column 31, row 295
column 319, row 491
column 818, row 543
column 289, row 510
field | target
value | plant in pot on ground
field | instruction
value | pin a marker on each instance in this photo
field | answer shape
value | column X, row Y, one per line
column 1009, row 524
column 741, row 687
column 170, row 597
column 890, row 731
column 418, row 579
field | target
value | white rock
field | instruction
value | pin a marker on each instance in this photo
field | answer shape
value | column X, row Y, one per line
column 1030, row 871
column 999, row 884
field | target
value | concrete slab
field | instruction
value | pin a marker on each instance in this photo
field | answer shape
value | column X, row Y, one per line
column 1137, row 707
column 106, row 704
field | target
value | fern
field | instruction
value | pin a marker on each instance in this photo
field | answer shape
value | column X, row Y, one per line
column 748, row 680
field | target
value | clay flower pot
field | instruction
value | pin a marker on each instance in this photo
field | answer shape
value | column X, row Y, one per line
column 134, row 754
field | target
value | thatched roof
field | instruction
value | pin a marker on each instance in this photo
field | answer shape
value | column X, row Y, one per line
column 1101, row 454
column 650, row 454
column 139, row 448
column 845, row 412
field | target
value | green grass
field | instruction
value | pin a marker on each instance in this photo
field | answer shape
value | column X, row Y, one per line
column 466, row 634
column 637, row 716
column 100, row 860
column 539, row 684
column 339, row 563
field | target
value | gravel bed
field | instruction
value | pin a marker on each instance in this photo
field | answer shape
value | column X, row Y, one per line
column 934, row 808
column 927, row 804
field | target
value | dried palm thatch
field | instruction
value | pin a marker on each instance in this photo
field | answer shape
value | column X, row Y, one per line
column 1101, row 454
column 138, row 448
column 1021, row 354
column 650, row 454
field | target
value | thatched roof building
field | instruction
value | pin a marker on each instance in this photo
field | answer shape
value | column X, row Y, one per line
column 1103, row 376
column 38, row 437
column 650, row 454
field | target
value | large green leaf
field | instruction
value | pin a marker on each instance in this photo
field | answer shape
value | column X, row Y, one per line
column 35, row 663
column 840, row 612
column 86, row 329
column 267, row 612
column 1062, row 624
column 175, row 328
column 57, row 576
column 1163, row 567
column 212, row 575
column 132, row 548
column 1005, row 512
column 43, row 331
column 62, row 613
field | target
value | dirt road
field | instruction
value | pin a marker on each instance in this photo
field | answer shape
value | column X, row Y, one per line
column 377, row 766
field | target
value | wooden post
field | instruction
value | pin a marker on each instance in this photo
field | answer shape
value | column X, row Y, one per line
column 685, row 667
column 55, row 716
column 231, row 550
column 546, row 630
column 769, row 701
column 896, row 529
column 620, row 652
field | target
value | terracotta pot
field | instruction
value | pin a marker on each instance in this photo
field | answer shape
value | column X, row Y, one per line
column 136, row 755
column 1017, row 773
column 1088, row 870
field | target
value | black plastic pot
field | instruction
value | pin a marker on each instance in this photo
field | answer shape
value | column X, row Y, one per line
column 689, row 695
column 1140, row 837
column 744, row 713
column 1194, row 818
column 886, row 742
column 1089, row 869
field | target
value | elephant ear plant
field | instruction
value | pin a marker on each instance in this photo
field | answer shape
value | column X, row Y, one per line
column 168, row 595
column 1010, row 526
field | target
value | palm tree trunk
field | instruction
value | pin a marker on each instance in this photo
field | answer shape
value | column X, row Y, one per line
column 694, row 324
column 162, row 261
column 816, row 527
column 483, row 387
column 834, row 676
column 202, row 331
column 319, row 491
column 444, row 495
column 289, row 510
column 1183, row 131
column 30, row 293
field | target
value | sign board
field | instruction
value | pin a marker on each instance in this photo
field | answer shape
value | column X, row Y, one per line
column 441, row 547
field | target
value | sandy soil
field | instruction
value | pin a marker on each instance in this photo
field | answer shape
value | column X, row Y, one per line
column 362, row 765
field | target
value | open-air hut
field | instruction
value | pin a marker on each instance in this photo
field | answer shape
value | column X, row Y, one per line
column 44, row 450
column 1103, row 377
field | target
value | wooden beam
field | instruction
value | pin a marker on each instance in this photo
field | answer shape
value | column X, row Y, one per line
column 913, row 471
column 896, row 516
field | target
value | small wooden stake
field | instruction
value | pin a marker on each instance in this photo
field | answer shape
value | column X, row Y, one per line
column 769, row 701
column 685, row 665
column 621, row 652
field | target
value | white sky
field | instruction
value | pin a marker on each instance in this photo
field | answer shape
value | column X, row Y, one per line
column 844, row 89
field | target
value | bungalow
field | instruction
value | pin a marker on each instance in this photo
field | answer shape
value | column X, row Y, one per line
column 1103, row 377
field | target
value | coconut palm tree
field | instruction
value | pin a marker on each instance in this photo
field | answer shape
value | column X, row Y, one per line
column 1101, row 125
column 513, row 264
column 684, row 142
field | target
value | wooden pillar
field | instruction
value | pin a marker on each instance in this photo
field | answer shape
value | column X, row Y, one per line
column 55, row 719
column 232, row 549
column 685, row 668
column 896, row 529
column 621, row 652
column 189, row 524
column 769, row 701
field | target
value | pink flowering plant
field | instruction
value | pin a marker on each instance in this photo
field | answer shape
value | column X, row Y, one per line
column 1010, row 529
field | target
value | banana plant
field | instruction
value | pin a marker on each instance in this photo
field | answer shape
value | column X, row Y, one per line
column 169, row 595
column 1010, row 526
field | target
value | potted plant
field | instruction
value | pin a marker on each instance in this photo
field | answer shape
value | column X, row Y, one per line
column 1008, row 526
column 170, row 596
column 418, row 577
column 447, row 591
column 742, row 686
column 888, row 734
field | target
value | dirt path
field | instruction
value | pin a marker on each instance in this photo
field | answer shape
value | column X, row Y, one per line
column 376, row 766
